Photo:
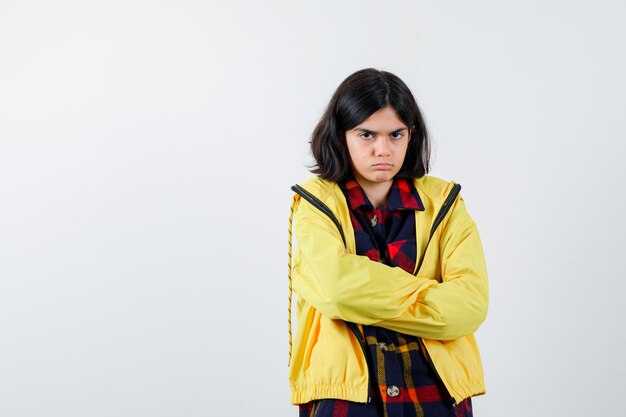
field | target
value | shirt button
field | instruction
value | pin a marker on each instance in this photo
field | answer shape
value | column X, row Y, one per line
column 383, row 346
column 374, row 220
column 393, row 391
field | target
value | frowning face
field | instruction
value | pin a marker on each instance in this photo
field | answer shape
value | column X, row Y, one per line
column 377, row 147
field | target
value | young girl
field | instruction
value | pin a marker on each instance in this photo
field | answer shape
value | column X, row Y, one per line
column 389, row 270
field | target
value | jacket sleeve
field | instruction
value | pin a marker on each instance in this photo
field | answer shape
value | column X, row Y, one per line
column 354, row 288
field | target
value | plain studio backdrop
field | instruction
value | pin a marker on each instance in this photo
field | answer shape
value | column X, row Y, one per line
column 146, row 154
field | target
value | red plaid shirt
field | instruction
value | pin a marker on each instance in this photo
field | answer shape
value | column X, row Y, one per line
column 405, row 382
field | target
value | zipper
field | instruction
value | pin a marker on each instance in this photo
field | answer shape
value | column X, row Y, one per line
column 320, row 206
column 432, row 366
column 359, row 337
column 352, row 326
column 445, row 207
column 443, row 211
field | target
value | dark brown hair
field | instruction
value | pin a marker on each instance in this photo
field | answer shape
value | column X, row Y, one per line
column 357, row 98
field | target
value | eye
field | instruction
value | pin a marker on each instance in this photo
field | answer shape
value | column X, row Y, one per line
column 397, row 135
column 367, row 135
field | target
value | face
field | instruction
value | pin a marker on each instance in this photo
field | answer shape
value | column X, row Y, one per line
column 377, row 147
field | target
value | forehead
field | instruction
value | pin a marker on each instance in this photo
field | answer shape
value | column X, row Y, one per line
column 385, row 118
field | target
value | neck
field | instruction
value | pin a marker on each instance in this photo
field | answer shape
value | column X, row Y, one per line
column 377, row 193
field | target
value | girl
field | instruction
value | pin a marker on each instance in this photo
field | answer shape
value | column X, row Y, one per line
column 389, row 269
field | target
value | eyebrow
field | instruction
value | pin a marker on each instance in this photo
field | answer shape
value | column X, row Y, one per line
column 362, row 129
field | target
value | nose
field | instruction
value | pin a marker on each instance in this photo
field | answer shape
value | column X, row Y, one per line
column 382, row 147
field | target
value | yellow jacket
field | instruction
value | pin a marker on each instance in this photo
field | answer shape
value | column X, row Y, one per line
column 444, row 304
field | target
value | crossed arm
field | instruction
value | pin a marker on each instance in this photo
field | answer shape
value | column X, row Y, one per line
column 353, row 288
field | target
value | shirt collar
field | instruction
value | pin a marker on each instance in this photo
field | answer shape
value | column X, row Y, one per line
column 403, row 196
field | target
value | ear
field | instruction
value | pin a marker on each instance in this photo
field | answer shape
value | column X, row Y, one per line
column 411, row 130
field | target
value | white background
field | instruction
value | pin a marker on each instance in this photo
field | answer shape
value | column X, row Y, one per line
column 146, row 154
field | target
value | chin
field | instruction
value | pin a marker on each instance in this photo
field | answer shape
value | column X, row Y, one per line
column 382, row 178
column 386, row 176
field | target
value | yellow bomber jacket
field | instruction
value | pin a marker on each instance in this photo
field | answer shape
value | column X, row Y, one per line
column 443, row 305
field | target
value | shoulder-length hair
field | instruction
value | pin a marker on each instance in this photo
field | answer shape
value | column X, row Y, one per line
column 357, row 98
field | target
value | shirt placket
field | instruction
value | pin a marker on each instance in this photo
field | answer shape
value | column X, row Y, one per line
column 377, row 231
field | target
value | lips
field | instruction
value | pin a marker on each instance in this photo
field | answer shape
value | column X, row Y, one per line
column 383, row 166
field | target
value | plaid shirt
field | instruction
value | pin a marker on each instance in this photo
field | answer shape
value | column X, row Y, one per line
column 405, row 383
